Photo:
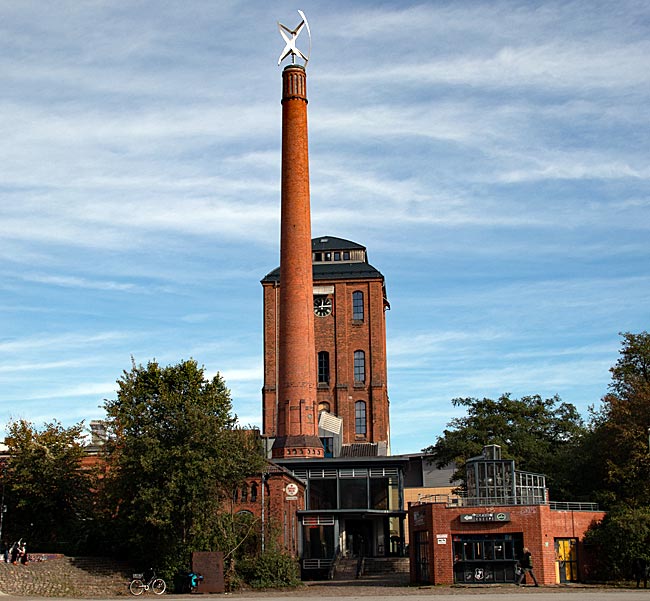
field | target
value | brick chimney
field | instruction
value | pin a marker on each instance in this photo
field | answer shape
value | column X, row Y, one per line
column 297, row 412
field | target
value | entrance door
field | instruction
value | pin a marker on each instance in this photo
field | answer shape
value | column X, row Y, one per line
column 359, row 538
column 485, row 558
column 422, row 557
column 566, row 560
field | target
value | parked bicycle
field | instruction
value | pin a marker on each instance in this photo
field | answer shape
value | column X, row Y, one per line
column 147, row 582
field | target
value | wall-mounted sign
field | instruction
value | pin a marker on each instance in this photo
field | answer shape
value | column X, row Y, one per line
column 442, row 538
column 497, row 516
column 292, row 490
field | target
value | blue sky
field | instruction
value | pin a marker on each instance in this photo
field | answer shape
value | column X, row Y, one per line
column 494, row 157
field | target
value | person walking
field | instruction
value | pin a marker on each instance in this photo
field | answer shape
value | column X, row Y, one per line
column 526, row 565
column 22, row 553
column 14, row 553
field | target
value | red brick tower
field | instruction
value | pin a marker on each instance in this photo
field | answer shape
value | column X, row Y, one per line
column 349, row 305
column 297, row 411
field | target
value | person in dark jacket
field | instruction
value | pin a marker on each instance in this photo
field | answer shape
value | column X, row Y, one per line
column 526, row 564
column 641, row 570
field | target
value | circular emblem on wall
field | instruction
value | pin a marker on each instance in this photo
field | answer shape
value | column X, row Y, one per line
column 291, row 489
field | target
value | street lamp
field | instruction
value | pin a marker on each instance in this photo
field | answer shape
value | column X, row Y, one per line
column 3, row 507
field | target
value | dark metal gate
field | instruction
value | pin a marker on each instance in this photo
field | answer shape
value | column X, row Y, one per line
column 422, row 557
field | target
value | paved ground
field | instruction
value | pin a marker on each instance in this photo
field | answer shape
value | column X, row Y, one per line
column 76, row 578
column 335, row 592
column 492, row 593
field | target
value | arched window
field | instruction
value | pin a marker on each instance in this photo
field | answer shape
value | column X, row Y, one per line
column 244, row 493
column 235, row 495
column 360, row 418
column 253, row 492
column 324, row 406
column 357, row 305
column 359, row 366
column 323, row 367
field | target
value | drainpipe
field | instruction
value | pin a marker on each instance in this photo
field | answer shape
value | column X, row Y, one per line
column 265, row 478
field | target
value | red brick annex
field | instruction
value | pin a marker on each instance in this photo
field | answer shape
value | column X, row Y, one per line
column 479, row 538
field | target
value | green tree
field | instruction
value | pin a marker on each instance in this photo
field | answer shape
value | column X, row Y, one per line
column 618, row 448
column 175, row 455
column 541, row 435
column 47, row 492
column 615, row 542
column 620, row 439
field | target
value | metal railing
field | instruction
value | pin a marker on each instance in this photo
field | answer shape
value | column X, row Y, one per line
column 507, row 501
column 332, row 570
column 573, row 506
column 316, row 564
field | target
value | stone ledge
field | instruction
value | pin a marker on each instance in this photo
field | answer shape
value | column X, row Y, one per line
column 65, row 577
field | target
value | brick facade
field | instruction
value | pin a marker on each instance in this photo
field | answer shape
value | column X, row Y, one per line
column 297, row 412
column 274, row 498
column 340, row 336
column 534, row 526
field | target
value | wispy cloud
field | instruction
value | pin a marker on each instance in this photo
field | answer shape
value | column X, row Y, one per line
column 89, row 389
column 76, row 282
column 552, row 66
column 491, row 156
column 60, row 342
column 45, row 365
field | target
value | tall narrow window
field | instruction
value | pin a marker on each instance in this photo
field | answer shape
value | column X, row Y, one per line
column 360, row 418
column 359, row 366
column 323, row 367
column 357, row 305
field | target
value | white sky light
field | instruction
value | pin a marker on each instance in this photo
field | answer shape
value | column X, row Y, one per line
column 494, row 157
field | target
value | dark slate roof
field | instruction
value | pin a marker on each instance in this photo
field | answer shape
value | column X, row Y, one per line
column 333, row 243
column 338, row 270
column 334, row 270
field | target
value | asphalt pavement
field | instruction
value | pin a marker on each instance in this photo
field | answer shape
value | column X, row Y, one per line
column 460, row 593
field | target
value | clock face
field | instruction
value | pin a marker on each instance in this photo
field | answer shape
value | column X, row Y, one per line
column 322, row 306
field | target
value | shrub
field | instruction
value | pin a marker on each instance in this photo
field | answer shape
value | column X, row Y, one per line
column 615, row 542
column 270, row 570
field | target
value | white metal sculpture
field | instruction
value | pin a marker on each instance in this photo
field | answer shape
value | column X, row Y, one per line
column 290, row 47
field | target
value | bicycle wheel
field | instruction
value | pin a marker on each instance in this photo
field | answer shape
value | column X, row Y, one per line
column 158, row 586
column 136, row 587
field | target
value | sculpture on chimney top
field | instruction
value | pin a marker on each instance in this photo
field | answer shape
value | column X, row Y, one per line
column 290, row 48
